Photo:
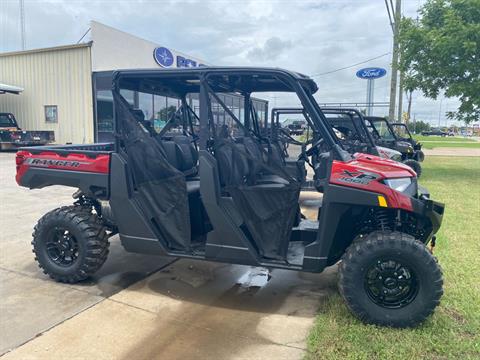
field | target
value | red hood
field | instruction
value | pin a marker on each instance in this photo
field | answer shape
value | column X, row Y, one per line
column 385, row 167
column 366, row 172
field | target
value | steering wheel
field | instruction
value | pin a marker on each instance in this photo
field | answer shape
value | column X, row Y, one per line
column 314, row 146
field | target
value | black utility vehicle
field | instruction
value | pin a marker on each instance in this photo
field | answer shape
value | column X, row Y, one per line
column 435, row 132
column 218, row 197
column 384, row 135
column 402, row 133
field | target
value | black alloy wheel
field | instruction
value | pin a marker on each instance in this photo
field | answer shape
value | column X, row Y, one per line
column 391, row 284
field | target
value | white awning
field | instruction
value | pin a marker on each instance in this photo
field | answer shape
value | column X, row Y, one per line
column 4, row 88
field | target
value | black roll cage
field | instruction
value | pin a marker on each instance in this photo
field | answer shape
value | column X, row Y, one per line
column 275, row 123
column 202, row 80
column 359, row 125
column 406, row 128
column 371, row 119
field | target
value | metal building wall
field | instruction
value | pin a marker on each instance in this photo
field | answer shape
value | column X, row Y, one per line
column 59, row 76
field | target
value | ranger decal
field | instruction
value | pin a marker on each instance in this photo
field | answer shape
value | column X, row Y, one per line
column 52, row 162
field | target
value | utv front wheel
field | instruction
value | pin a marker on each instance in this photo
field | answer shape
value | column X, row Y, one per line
column 390, row 279
column 70, row 244
column 415, row 165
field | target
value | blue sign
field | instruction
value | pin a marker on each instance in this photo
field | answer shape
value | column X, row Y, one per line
column 163, row 56
column 371, row 73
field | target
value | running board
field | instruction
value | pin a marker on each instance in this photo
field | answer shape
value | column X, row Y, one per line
column 306, row 231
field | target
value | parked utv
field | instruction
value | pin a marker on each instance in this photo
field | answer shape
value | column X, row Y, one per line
column 402, row 133
column 353, row 133
column 348, row 126
column 384, row 135
column 219, row 197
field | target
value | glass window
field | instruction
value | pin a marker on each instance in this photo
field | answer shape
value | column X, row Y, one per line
column 51, row 114
column 145, row 103
column 160, row 112
column 104, row 115
column 6, row 120
column 129, row 95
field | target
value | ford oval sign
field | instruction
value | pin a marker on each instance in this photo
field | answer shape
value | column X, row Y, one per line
column 163, row 56
column 371, row 73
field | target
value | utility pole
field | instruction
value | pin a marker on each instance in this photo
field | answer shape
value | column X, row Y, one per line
column 400, row 98
column 22, row 25
column 395, row 52
column 409, row 107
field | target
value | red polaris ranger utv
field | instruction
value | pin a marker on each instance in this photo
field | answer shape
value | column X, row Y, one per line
column 208, row 187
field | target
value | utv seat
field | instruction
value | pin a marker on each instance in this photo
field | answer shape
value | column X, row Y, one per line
column 235, row 168
column 254, row 149
column 181, row 154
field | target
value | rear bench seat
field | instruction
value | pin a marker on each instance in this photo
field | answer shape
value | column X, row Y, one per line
column 182, row 154
column 235, row 168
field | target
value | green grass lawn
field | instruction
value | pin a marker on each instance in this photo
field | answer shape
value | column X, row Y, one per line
column 431, row 142
column 453, row 332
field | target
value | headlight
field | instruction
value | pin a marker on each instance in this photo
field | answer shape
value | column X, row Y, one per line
column 399, row 184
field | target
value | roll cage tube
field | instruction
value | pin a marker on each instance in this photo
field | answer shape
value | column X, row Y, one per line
column 319, row 122
column 407, row 131
column 371, row 120
column 360, row 125
column 180, row 82
column 275, row 123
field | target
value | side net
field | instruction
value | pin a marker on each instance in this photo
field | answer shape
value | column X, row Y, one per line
column 162, row 189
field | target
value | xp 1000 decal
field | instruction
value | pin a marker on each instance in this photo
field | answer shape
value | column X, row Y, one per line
column 357, row 177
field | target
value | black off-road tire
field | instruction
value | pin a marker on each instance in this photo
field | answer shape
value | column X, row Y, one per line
column 378, row 246
column 91, row 241
column 415, row 165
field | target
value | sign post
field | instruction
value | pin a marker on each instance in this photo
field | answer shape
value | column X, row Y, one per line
column 370, row 74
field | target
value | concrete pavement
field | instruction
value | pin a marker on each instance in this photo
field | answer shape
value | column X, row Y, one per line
column 136, row 307
column 451, row 151
column 30, row 302
column 193, row 310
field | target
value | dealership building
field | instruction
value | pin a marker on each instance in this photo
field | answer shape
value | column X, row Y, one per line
column 67, row 89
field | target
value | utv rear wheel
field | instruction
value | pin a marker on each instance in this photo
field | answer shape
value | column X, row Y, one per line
column 390, row 279
column 415, row 165
column 70, row 244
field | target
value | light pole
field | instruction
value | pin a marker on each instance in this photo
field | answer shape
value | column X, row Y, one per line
column 395, row 53
column 440, row 111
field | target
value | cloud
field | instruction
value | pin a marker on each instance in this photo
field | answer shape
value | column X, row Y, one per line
column 307, row 36
column 271, row 50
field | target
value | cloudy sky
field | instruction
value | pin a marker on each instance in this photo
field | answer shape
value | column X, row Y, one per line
column 312, row 37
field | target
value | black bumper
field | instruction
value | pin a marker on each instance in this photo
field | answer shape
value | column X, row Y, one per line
column 430, row 209
column 418, row 155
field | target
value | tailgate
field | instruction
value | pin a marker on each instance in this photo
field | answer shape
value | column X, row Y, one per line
column 85, row 170
column 23, row 137
column 38, row 136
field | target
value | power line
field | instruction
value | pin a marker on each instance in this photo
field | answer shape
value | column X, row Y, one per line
column 389, row 14
column 350, row 66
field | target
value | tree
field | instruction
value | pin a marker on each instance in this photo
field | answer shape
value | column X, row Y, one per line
column 166, row 113
column 418, row 126
column 441, row 53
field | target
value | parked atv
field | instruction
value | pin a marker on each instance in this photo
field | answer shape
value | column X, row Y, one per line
column 236, row 204
column 384, row 135
column 402, row 133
